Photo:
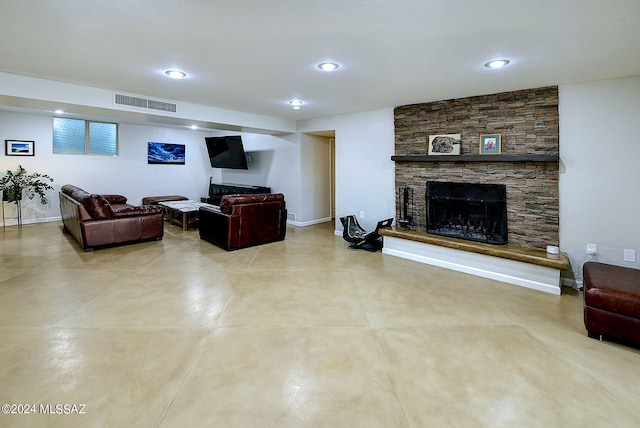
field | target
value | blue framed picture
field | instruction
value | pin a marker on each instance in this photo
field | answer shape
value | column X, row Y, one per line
column 166, row 153
column 19, row 148
column 490, row 144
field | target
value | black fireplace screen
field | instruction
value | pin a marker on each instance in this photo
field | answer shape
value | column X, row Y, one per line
column 476, row 212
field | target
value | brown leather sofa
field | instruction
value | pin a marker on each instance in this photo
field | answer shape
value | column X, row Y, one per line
column 244, row 220
column 612, row 302
column 104, row 220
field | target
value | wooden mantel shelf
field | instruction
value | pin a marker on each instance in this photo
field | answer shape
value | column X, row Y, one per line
column 479, row 158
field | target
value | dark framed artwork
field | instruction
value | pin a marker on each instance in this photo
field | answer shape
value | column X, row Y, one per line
column 165, row 153
column 19, row 148
column 490, row 144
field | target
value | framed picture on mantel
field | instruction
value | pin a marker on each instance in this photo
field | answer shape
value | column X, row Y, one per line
column 444, row 144
column 490, row 144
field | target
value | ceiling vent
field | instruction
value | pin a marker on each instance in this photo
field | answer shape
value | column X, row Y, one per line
column 161, row 105
column 139, row 102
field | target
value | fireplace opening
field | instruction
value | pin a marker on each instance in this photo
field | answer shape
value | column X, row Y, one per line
column 476, row 212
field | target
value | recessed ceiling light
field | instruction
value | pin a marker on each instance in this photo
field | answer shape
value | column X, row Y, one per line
column 296, row 104
column 497, row 63
column 328, row 66
column 194, row 127
column 59, row 111
column 176, row 74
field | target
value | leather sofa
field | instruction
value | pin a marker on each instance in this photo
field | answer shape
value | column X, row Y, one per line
column 612, row 302
column 244, row 220
column 103, row 220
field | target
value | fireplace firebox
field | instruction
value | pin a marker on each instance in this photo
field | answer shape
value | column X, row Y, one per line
column 475, row 212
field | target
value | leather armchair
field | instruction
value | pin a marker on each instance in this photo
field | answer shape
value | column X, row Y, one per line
column 244, row 220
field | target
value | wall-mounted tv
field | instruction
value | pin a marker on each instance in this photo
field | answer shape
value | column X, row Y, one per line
column 165, row 153
column 226, row 152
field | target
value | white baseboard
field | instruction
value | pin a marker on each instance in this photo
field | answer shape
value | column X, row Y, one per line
column 14, row 221
column 308, row 223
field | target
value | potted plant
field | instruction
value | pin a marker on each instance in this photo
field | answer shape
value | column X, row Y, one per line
column 14, row 183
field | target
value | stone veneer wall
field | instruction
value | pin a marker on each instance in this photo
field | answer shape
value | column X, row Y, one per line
column 528, row 122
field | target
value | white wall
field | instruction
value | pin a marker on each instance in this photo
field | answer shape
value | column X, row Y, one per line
column 129, row 174
column 275, row 162
column 15, row 126
column 600, row 170
column 365, row 174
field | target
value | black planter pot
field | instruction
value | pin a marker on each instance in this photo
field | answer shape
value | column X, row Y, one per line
column 7, row 197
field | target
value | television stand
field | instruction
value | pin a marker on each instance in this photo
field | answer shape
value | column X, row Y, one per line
column 217, row 191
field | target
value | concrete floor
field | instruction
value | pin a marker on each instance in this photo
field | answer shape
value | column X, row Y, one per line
column 300, row 333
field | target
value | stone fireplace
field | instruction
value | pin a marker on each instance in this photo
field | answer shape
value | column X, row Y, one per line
column 471, row 211
column 525, row 170
column 527, row 167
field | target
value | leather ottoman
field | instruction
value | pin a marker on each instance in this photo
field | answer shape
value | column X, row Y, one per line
column 612, row 302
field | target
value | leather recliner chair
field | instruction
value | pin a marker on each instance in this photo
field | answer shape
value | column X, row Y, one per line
column 244, row 220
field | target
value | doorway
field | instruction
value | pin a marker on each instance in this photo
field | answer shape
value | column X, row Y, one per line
column 319, row 176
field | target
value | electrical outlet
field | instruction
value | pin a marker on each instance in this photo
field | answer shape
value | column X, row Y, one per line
column 630, row 256
column 592, row 249
column 361, row 214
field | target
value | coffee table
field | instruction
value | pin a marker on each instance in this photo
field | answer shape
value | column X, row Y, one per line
column 183, row 213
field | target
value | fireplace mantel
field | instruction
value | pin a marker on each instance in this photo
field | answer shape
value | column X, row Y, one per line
column 479, row 158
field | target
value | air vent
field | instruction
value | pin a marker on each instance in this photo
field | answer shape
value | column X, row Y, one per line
column 161, row 105
column 133, row 101
column 127, row 100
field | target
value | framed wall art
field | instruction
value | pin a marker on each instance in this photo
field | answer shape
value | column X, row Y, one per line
column 19, row 148
column 165, row 153
column 490, row 144
column 444, row 144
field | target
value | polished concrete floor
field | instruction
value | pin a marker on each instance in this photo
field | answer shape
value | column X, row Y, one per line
column 300, row 333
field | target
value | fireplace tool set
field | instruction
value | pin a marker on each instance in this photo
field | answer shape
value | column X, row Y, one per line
column 405, row 202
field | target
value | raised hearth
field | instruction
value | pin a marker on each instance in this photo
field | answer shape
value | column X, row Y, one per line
column 526, row 267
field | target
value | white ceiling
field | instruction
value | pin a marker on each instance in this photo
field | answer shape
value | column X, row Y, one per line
column 255, row 55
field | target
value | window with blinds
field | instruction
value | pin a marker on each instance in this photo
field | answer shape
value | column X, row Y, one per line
column 83, row 137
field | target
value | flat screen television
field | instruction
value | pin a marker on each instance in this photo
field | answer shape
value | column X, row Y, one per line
column 226, row 152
